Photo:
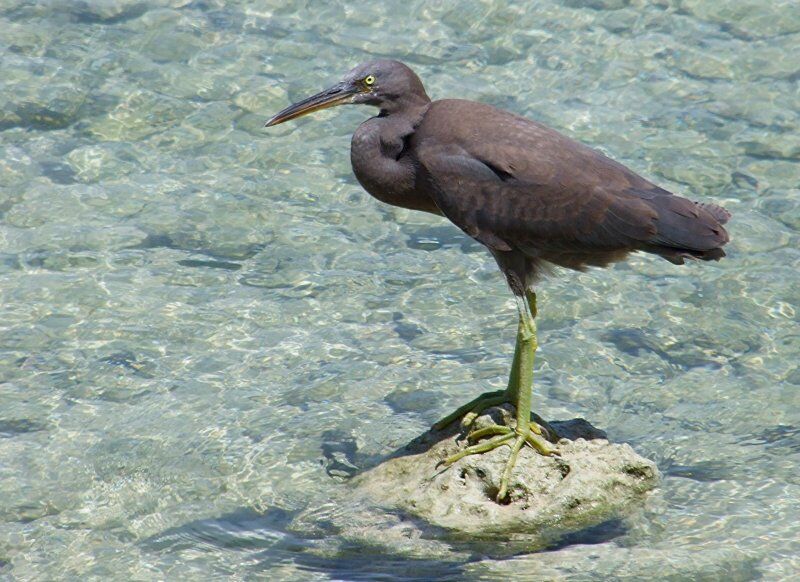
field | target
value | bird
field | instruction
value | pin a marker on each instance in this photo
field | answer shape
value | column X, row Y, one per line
column 531, row 195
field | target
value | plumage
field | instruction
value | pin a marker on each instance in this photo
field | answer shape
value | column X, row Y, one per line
column 516, row 185
column 520, row 187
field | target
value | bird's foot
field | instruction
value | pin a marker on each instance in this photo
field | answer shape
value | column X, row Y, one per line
column 472, row 409
column 469, row 412
column 503, row 435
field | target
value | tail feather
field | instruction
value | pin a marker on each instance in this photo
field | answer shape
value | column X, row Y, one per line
column 687, row 229
column 718, row 212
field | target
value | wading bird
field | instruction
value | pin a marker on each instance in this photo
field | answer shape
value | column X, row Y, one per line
column 531, row 195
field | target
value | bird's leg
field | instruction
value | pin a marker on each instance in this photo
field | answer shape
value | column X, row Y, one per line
column 520, row 380
column 473, row 409
column 520, row 386
column 519, row 393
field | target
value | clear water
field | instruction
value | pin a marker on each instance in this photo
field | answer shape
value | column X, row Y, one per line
column 202, row 321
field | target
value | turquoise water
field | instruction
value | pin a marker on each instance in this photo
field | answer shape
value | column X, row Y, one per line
column 205, row 326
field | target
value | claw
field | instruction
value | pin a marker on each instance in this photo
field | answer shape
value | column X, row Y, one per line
column 477, row 435
column 472, row 409
column 539, row 445
column 489, row 445
column 512, row 460
column 503, row 435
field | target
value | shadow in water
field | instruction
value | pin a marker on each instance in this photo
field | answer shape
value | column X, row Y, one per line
column 597, row 534
column 13, row 427
column 219, row 258
column 268, row 541
column 433, row 238
column 703, row 471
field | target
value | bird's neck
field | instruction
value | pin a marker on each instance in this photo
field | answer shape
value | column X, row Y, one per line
column 403, row 121
column 382, row 161
column 411, row 107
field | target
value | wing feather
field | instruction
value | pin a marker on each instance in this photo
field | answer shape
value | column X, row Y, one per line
column 512, row 183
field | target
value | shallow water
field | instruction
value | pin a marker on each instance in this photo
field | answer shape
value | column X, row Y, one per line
column 206, row 325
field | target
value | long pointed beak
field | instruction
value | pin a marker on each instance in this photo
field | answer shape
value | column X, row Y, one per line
column 336, row 95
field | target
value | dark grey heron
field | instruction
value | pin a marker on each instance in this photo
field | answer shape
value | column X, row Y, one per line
column 531, row 195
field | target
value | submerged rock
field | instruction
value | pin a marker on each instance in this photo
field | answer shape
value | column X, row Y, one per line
column 591, row 481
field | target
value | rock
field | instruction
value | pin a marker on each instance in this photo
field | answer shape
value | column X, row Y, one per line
column 590, row 482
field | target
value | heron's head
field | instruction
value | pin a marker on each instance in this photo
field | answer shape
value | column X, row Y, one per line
column 388, row 85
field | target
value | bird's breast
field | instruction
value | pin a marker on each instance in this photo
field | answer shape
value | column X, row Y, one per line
column 386, row 169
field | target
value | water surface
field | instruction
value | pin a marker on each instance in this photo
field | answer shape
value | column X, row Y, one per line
column 206, row 326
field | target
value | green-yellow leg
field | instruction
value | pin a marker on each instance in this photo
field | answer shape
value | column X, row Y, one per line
column 518, row 392
column 472, row 409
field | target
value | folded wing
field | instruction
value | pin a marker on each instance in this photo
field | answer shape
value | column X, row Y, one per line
column 555, row 199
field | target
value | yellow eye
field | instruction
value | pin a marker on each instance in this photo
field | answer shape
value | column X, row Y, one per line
column 369, row 80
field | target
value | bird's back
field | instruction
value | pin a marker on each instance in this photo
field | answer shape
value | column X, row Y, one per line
column 529, row 151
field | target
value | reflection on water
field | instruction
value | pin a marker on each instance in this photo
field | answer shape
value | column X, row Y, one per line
column 207, row 327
